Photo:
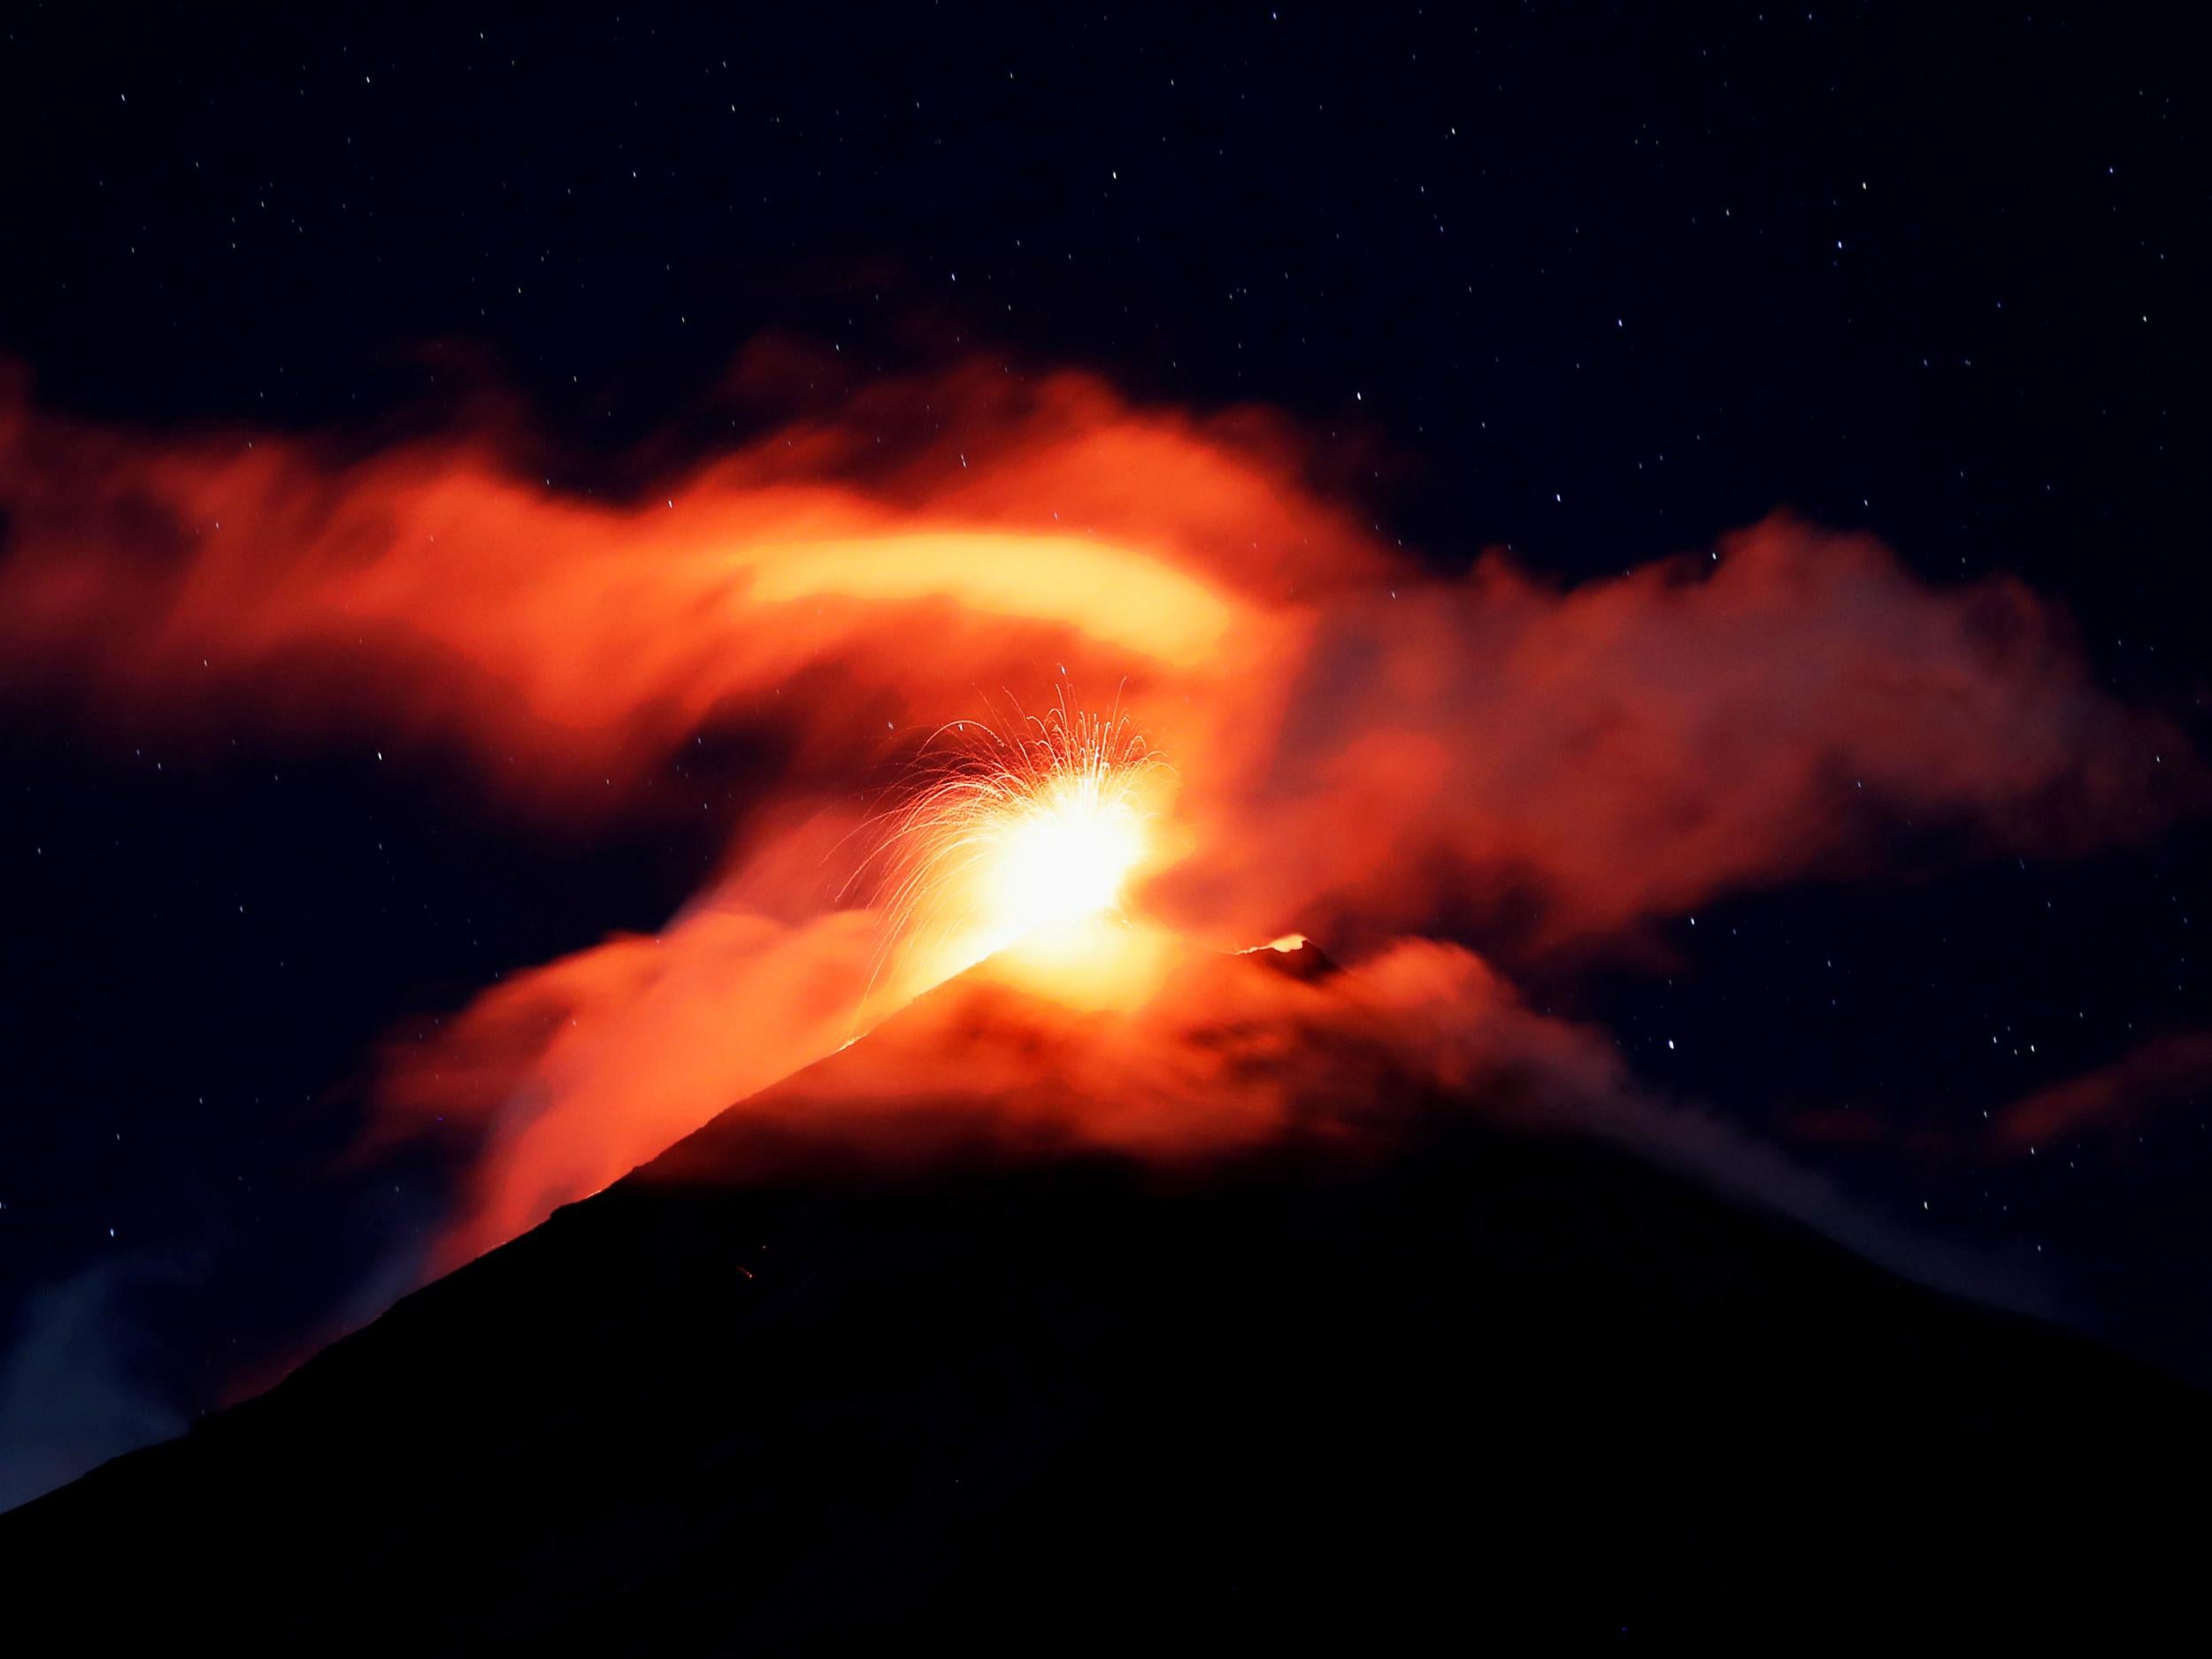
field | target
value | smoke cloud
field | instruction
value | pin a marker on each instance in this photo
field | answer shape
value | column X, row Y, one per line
column 2163, row 1071
column 1366, row 751
column 73, row 1391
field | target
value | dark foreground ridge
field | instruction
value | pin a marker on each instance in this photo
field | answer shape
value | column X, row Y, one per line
column 1490, row 1385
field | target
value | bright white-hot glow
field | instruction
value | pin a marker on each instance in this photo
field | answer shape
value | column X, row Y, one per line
column 1014, row 831
column 1064, row 857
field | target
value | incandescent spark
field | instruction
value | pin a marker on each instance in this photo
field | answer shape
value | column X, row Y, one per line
column 1013, row 830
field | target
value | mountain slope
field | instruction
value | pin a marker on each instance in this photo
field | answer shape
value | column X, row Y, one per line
column 770, row 1394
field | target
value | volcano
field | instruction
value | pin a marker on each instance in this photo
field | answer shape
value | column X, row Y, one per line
column 787, row 1389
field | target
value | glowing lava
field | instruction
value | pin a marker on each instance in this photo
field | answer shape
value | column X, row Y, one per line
column 1062, row 857
column 1020, row 835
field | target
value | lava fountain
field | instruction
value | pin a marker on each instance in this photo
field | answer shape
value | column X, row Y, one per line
column 1024, row 832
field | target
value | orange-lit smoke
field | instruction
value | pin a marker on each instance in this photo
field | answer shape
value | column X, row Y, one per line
column 1364, row 749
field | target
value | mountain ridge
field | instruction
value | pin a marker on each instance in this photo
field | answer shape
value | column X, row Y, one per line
column 769, row 1392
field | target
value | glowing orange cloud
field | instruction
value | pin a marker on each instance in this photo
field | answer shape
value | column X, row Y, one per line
column 1559, row 765
column 569, row 645
column 1365, row 749
column 576, row 1072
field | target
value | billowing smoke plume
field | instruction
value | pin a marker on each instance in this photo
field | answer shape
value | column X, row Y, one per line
column 1363, row 749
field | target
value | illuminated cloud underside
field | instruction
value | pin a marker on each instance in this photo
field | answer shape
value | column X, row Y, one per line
column 1360, row 746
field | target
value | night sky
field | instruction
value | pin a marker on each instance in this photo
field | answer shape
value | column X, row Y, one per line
column 1596, row 285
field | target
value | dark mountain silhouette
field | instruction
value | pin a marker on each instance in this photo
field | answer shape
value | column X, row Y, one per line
column 774, row 1393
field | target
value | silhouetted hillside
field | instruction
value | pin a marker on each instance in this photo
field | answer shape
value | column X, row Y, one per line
column 1483, row 1383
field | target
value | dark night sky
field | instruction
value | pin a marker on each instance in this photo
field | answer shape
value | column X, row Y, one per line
column 1599, row 283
